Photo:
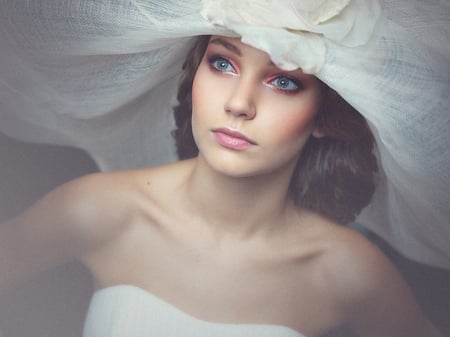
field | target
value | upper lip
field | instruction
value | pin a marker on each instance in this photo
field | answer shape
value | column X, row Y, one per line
column 235, row 134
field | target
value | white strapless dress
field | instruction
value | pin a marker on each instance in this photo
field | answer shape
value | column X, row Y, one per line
column 129, row 311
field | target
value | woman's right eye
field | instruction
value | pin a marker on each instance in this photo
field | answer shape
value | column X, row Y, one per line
column 221, row 64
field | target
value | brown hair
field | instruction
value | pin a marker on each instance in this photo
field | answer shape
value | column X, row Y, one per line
column 334, row 175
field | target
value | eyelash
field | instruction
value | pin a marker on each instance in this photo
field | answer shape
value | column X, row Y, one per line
column 291, row 82
column 215, row 59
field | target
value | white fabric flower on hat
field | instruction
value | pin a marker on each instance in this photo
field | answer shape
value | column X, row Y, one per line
column 294, row 32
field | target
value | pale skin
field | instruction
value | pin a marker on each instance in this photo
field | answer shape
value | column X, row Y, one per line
column 220, row 228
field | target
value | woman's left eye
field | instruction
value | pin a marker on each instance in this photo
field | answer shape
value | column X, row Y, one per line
column 285, row 83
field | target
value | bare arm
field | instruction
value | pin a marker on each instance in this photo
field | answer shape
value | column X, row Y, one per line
column 376, row 298
column 63, row 225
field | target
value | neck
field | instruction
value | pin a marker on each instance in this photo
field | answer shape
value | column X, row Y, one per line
column 243, row 206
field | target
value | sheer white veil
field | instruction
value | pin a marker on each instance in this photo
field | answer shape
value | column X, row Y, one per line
column 101, row 75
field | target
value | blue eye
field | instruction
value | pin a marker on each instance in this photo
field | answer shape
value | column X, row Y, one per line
column 285, row 83
column 221, row 64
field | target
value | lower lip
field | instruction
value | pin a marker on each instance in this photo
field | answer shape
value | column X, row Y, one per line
column 231, row 142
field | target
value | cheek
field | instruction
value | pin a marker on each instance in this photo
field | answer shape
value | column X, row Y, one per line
column 199, row 99
column 296, row 121
column 202, row 92
column 298, row 124
column 202, row 103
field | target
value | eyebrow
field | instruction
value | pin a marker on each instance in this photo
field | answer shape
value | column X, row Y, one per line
column 228, row 45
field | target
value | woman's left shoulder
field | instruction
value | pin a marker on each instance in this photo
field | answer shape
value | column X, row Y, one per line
column 350, row 263
column 353, row 262
column 358, row 266
column 365, row 284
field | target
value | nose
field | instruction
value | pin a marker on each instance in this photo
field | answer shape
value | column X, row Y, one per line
column 241, row 102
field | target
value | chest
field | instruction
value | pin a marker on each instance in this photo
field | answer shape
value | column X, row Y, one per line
column 219, row 282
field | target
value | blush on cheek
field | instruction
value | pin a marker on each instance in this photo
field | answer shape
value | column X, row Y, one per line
column 302, row 122
column 200, row 92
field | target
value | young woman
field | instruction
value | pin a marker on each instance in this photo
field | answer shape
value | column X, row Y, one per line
column 242, row 239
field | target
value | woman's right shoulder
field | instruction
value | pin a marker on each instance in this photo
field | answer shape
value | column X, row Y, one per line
column 86, row 209
column 93, row 199
column 76, row 219
column 91, row 210
column 65, row 224
column 100, row 206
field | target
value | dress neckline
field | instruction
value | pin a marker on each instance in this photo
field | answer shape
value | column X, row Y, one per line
column 128, row 287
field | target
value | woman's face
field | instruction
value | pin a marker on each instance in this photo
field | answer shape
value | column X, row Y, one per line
column 248, row 116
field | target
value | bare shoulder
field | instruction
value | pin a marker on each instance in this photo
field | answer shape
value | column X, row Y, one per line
column 351, row 263
column 89, row 209
column 76, row 219
column 84, row 209
column 61, row 226
column 366, row 285
column 105, row 204
column 96, row 204
column 364, row 264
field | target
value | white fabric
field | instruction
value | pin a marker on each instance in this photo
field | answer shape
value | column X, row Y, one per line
column 101, row 75
column 126, row 310
column 262, row 24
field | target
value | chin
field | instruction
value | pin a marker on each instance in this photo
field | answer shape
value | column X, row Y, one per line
column 231, row 164
column 243, row 167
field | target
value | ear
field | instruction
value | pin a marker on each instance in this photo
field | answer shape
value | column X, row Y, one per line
column 317, row 133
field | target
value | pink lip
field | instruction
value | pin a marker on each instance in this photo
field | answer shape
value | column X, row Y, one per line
column 232, row 139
